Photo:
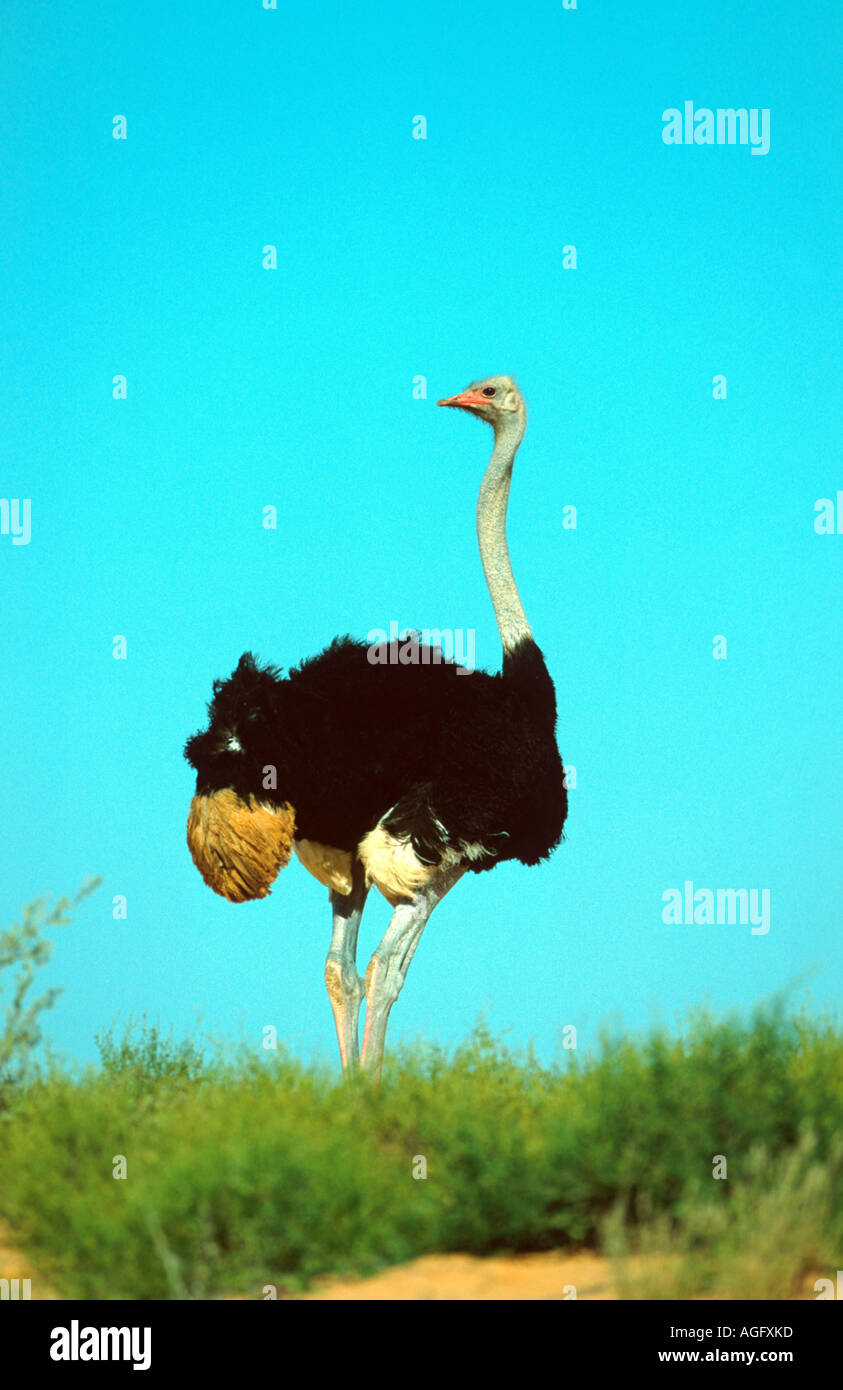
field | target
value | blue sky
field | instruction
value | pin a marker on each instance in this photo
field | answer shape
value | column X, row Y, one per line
column 293, row 388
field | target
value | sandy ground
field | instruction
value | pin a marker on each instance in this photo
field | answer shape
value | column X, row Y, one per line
column 465, row 1277
column 14, row 1265
column 555, row 1275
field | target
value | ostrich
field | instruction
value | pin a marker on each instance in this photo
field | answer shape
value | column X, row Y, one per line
column 404, row 775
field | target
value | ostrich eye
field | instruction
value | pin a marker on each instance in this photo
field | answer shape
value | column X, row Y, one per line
column 489, row 390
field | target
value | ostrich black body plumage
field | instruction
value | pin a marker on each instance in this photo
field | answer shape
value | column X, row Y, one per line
column 442, row 758
column 395, row 768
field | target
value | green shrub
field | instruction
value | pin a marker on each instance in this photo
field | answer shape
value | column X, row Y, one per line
column 259, row 1170
column 24, row 946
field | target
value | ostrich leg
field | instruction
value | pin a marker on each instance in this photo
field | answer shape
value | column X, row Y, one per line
column 345, row 988
column 389, row 965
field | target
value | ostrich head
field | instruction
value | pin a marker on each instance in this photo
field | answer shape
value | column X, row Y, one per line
column 239, row 833
column 496, row 399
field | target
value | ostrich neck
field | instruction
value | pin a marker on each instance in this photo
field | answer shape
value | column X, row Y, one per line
column 491, row 534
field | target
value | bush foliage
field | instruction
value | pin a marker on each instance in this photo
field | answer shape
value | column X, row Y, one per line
column 260, row 1170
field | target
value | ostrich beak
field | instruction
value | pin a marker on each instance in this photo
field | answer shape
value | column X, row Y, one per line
column 466, row 400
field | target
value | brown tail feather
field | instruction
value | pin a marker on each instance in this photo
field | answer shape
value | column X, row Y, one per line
column 239, row 847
